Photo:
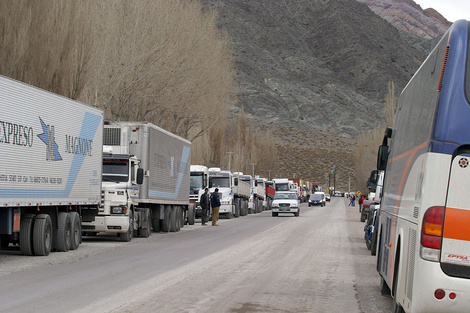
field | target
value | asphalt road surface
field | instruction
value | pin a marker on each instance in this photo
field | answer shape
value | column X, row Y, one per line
column 317, row 262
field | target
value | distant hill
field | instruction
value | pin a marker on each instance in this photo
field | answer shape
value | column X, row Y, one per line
column 316, row 71
column 409, row 17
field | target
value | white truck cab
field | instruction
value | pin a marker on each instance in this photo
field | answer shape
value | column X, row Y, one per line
column 121, row 178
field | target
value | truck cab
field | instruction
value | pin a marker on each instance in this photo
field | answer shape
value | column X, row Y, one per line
column 121, row 178
column 199, row 180
column 223, row 181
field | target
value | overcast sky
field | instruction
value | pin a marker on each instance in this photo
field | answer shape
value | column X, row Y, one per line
column 452, row 10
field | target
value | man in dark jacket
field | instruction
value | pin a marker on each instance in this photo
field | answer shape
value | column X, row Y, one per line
column 205, row 205
column 215, row 204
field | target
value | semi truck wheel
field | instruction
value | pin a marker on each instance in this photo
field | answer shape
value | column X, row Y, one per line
column 181, row 217
column 76, row 231
column 145, row 229
column 42, row 235
column 178, row 218
column 26, row 234
column 127, row 236
column 63, row 236
column 166, row 219
column 237, row 208
column 173, row 219
column 191, row 214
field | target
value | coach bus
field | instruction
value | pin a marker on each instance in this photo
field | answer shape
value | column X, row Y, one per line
column 423, row 251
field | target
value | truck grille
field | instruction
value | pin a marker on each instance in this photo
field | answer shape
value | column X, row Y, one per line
column 284, row 204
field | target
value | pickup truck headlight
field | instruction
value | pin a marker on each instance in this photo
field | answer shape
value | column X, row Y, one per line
column 117, row 210
column 275, row 205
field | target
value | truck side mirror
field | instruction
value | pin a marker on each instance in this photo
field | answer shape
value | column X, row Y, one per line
column 235, row 181
column 256, row 183
column 382, row 158
column 140, row 176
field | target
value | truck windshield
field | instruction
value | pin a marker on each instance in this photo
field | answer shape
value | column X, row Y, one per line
column 219, row 181
column 115, row 170
column 282, row 187
column 196, row 181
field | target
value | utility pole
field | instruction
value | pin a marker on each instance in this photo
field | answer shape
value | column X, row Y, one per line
column 229, row 160
column 269, row 174
column 253, row 166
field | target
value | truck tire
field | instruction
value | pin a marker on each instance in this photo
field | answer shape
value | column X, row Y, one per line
column 42, row 235
column 245, row 207
column 127, row 236
column 63, row 235
column 237, row 208
column 155, row 214
column 166, row 219
column 156, row 224
column 191, row 214
column 26, row 234
column 145, row 229
column 182, row 216
column 76, row 231
column 172, row 219
column 178, row 214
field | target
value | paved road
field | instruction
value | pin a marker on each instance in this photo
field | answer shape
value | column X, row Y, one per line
column 316, row 262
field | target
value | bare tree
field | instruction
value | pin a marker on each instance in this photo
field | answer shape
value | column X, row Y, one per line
column 45, row 43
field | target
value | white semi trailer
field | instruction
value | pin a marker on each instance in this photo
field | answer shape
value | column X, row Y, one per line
column 145, row 181
column 51, row 154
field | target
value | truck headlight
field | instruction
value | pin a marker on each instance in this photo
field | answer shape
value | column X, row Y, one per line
column 117, row 210
column 275, row 205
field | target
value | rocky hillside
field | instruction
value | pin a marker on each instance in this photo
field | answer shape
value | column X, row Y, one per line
column 315, row 72
column 409, row 17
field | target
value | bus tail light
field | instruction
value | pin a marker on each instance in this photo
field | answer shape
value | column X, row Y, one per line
column 431, row 233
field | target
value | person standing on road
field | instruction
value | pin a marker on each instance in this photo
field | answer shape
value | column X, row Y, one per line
column 360, row 201
column 352, row 200
column 205, row 205
column 215, row 204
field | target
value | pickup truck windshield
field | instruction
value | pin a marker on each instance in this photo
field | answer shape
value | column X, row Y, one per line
column 285, row 196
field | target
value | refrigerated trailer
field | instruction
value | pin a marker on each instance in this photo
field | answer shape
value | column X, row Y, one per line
column 146, row 173
column 51, row 152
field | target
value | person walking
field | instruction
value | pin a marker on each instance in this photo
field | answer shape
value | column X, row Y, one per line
column 215, row 204
column 205, row 205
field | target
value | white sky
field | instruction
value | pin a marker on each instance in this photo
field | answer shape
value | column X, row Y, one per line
column 452, row 10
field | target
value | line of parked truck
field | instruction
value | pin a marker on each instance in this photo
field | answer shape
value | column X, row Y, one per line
column 67, row 173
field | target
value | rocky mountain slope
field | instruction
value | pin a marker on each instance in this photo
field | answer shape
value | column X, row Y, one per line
column 409, row 17
column 316, row 72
